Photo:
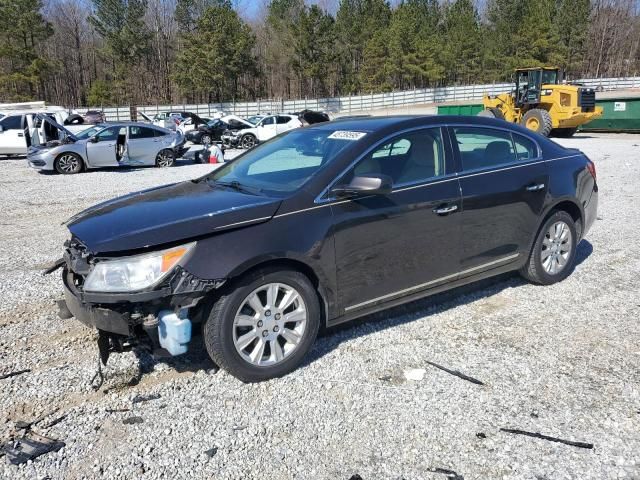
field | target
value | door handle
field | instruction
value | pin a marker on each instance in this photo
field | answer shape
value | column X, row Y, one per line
column 536, row 187
column 21, row 134
column 445, row 210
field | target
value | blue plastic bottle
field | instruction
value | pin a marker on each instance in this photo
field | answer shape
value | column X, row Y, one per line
column 174, row 331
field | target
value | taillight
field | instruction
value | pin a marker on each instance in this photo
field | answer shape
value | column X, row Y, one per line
column 592, row 168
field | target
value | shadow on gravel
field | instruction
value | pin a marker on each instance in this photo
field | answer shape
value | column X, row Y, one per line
column 331, row 338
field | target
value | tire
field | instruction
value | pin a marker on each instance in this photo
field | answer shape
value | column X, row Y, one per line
column 225, row 341
column 248, row 141
column 68, row 163
column 165, row 158
column 205, row 139
column 538, row 120
column 537, row 270
column 564, row 132
column 491, row 113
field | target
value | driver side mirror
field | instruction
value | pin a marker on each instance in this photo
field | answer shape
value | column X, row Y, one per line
column 371, row 184
column 94, row 139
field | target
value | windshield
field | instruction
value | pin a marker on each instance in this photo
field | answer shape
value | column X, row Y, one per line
column 255, row 119
column 282, row 165
column 89, row 132
column 549, row 77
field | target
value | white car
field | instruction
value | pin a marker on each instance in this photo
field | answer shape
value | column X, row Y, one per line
column 265, row 129
column 21, row 129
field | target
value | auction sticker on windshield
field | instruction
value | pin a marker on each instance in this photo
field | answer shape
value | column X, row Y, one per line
column 346, row 135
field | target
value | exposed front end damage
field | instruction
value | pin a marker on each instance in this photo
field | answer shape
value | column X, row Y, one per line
column 125, row 320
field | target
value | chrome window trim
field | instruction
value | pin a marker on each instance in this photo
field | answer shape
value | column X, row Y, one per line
column 421, row 286
column 504, row 129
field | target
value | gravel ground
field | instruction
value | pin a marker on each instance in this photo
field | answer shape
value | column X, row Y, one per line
column 563, row 361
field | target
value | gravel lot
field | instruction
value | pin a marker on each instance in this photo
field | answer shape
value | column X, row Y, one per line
column 563, row 361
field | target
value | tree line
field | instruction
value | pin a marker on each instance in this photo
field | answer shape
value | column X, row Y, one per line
column 119, row 52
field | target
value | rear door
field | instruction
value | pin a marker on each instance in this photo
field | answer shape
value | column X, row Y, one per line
column 390, row 246
column 282, row 124
column 102, row 152
column 142, row 145
column 12, row 136
column 504, row 183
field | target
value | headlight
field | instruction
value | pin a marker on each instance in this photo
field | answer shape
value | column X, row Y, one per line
column 130, row 274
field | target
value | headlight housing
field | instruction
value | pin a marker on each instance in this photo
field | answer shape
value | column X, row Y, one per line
column 130, row 274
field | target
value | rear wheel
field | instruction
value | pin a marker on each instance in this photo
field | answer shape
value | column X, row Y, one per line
column 553, row 254
column 538, row 120
column 68, row 163
column 166, row 158
column 265, row 326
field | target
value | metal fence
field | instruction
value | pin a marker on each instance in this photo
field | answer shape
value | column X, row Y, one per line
column 358, row 103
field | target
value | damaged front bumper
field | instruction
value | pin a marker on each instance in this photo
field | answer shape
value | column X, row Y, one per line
column 130, row 318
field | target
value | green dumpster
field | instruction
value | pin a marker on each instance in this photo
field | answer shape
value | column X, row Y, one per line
column 460, row 109
column 619, row 115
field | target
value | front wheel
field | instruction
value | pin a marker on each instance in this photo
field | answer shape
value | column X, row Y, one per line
column 554, row 251
column 264, row 327
column 166, row 158
column 248, row 141
column 539, row 121
column 68, row 163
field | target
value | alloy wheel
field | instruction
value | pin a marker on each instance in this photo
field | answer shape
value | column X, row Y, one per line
column 270, row 324
column 248, row 142
column 556, row 248
column 165, row 159
column 68, row 163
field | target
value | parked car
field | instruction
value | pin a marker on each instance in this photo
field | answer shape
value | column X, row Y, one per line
column 264, row 130
column 212, row 131
column 21, row 129
column 322, row 225
column 107, row 145
column 169, row 120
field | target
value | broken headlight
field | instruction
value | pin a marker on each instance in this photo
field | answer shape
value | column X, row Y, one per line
column 130, row 274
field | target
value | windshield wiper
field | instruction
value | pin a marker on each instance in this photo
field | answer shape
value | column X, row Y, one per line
column 236, row 185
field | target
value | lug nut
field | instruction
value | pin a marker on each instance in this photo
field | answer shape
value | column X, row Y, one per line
column 278, row 316
column 265, row 333
column 260, row 323
column 268, row 313
column 275, row 329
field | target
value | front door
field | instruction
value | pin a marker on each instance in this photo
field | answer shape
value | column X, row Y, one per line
column 504, row 182
column 101, row 150
column 267, row 129
column 12, row 136
column 389, row 246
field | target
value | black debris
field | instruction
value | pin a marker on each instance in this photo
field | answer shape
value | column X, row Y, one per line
column 145, row 398
column 481, row 435
column 211, row 452
column 534, row 414
column 449, row 473
column 546, row 437
column 117, row 410
column 385, row 378
column 132, row 420
column 456, row 373
column 21, row 424
column 55, row 421
column 355, row 477
column 29, row 447
column 14, row 374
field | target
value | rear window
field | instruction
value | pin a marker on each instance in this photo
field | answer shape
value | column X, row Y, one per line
column 141, row 132
column 484, row 147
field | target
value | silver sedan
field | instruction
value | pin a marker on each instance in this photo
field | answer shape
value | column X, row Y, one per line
column 106, row 145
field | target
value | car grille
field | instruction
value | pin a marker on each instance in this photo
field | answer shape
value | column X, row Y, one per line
column 587, row 99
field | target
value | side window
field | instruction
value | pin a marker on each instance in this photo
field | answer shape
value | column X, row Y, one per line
column 269, row 121
column 282, row 120
column 483, row 147
column 409, row 158
column 12, row 122
column 136, row 133
column 108, row 134
column 525, row 149
column 158, row 133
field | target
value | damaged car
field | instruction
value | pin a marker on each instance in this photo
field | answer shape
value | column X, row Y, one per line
column 266, row 128
column 105, row 145
column 322, row 225
column 213, row 130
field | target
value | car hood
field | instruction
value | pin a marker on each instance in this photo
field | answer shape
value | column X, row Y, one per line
column 167, row 214
column 56, row 125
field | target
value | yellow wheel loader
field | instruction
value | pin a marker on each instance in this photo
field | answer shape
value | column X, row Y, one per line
column 542, row 103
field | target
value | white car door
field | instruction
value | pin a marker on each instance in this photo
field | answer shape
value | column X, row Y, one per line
column 101, row 148
column 267, row 128
column 284, row 123
column 12, row 139
column 142, row 146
